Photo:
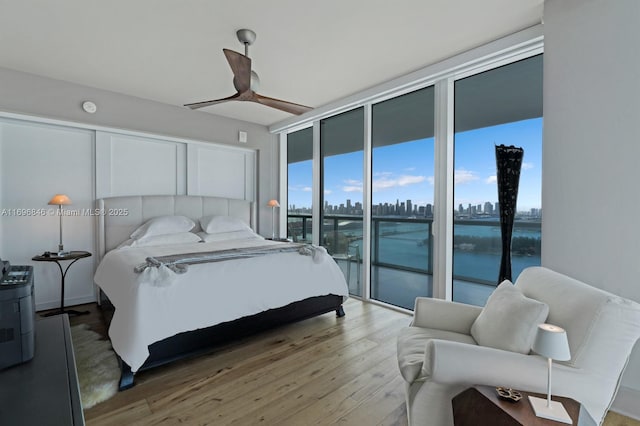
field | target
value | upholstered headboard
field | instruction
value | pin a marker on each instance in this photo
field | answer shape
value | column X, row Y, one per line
column 118, row 217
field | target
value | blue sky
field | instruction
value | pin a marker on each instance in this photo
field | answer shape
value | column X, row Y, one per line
column 405, row 171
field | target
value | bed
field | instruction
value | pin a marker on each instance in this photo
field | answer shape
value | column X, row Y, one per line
column 157, row 317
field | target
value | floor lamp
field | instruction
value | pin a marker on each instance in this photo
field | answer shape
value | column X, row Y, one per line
column 273, row 204
column 60, row 200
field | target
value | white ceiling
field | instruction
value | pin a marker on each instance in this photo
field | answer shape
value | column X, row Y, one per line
column 308, row 52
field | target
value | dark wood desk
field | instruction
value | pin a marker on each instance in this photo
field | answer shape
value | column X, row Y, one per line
column 74, row 256
column 43, row 391
column 480, row 405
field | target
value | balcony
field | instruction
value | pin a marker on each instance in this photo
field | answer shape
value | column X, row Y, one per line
column 402, row 254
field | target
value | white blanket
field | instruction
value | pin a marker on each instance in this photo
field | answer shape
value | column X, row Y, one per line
column 207, row 294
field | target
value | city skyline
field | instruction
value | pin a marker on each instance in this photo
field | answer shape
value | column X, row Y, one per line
column 405, row 170
column 410, row 209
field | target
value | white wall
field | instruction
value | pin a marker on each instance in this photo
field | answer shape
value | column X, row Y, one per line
column 590, row 194
column 38, row 160
column 34, row 95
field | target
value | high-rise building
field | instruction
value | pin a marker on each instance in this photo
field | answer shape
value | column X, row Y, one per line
column 428, row 211
column 488, row 208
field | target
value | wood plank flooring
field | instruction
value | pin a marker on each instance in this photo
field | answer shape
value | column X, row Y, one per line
column 321, row 371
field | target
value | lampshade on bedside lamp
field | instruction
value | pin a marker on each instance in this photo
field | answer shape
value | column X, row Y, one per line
column 273, row 204
column 60, row 200
column 551, row 342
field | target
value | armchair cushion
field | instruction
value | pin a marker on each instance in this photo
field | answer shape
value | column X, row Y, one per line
column 412, row 342
column 509, row 320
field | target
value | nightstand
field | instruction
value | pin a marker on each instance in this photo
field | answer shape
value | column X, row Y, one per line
column 73, row 256
column 481, row 405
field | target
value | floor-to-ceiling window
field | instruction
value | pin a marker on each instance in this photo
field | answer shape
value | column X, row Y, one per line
column 402, row 166
column 300, row 185
column 431, row 181
column 342, row 150
column 499, row 106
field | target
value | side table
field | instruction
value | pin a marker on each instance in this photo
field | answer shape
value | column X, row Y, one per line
column 73, row 256
column 481, row 405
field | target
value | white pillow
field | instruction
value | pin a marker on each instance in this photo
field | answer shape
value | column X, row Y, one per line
column 163, row 225
column 509, row 321
column 228, row 236
column 162, row 240
column 217, row 224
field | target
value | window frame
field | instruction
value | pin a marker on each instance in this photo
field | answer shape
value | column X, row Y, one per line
column 442, row 75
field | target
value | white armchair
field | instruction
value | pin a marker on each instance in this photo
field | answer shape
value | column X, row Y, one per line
column 439, row 358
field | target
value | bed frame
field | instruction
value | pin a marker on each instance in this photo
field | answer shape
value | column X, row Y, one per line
column 120, row 216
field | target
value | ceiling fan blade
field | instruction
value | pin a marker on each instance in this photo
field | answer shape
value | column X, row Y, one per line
column 241, row 67
column 289, row 107
column 213, row 102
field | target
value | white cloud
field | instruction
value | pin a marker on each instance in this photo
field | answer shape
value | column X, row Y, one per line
column 431, row 180
column 463, row 176
column 527, row 166
column 352, row 188
column 327, row 191
column 393, row 182
column 352, row 185
column 492, row 179
column 300, row 188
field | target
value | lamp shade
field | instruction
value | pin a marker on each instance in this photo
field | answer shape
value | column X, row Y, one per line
column 551, row 342
column 60, row 200
column 273, row 203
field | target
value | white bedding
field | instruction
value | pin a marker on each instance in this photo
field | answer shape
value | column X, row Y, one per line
column 207, row 294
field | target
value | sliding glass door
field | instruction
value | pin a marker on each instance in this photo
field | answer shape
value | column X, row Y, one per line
column 342, row 153
column 500, row 106
column 300, row 185
column 402, row 198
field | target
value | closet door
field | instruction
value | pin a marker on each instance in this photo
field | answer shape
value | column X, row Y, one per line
column 218, row 171
column 133, row 165
column 37, row 162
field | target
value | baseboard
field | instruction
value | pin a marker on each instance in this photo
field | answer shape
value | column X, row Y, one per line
column 626, row 402
column 68, row 302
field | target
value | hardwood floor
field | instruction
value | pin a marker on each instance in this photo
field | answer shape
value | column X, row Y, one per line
column 321, row 371
column 324, row 370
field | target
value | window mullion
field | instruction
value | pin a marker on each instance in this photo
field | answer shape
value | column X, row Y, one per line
column 443, row 191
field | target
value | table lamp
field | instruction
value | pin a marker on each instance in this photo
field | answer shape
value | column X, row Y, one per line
column 273, row 204
column 551, row 342
column 60, row 200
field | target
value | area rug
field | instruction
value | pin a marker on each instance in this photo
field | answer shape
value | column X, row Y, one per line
column 97, row 366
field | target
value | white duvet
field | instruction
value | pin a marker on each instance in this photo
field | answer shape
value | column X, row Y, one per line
column 207, row 294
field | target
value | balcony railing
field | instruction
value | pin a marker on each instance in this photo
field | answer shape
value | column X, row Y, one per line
column 406, row 244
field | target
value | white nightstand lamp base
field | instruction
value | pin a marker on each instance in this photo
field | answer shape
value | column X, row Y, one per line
column 555, row 411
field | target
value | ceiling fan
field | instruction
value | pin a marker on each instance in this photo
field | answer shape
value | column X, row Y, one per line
column 246, row 81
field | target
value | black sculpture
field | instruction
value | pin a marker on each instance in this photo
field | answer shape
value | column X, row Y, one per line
column 508, row 163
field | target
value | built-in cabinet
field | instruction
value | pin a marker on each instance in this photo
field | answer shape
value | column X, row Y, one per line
column 40, row 159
